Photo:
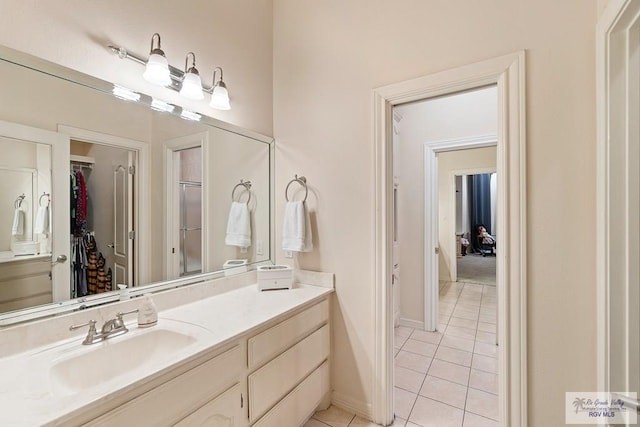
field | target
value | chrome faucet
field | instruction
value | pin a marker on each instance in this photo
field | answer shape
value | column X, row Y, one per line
column 111, row 328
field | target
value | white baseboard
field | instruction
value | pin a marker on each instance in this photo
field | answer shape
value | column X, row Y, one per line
column 361, row 409
column 410, row 323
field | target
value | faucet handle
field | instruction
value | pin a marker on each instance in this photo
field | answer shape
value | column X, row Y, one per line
column 91, row 335
column 119, row 322
column 91, row 324
column 124, row 313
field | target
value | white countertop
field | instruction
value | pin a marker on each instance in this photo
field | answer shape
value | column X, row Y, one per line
column 29, row 397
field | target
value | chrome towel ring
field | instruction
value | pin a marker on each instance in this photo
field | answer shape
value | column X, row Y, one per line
column 246, row 185
column 18, row 202
column 300, row 180
column 47, row 195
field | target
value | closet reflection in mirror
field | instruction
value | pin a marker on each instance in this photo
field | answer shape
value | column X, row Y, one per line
column 149, row 193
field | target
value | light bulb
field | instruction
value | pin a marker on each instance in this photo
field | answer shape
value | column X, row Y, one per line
column 220, row 97
column 192, row 85
column 157, row 70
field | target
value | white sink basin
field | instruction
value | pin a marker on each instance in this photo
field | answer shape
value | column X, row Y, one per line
column 90, row 366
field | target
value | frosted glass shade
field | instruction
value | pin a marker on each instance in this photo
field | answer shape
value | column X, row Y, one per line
column 157, row 70
column 192, row 87
column 220, row 98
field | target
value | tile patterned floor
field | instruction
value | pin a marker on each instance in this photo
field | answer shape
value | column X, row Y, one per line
column 446, row 378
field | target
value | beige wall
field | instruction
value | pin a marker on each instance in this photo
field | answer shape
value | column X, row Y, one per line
column 450, row 164
column 235, row 35
column 465, row 115
column 328, row 56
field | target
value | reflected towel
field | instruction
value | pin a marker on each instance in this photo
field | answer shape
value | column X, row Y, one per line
column 42, row 221
column 239, row 226
column 296, row 229
column 18, row 223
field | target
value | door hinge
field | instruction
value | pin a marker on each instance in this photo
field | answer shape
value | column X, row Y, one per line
column 241, row 401
column 132, row 170
column 437, row 250
column 132, row 234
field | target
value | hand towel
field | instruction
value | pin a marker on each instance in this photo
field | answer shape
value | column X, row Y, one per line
column 18, row 223
column 296, row 229
column 239, row 226
column 42, row 221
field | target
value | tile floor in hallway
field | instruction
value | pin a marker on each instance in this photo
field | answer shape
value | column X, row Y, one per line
column 445, row 378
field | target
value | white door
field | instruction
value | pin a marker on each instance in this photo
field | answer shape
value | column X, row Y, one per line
column 123, row 232
column 59, row 205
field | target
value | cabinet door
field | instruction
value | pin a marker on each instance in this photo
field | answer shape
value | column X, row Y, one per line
column 223, row 411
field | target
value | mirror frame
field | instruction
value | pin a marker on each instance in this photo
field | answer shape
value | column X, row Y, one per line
column 43, row 66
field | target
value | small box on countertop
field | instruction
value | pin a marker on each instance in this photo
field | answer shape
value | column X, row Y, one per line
column 275, row 277
column 235, row 266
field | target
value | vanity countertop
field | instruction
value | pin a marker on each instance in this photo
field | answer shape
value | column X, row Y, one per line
column 28, row 396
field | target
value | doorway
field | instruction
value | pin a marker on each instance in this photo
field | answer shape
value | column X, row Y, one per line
column 102, row 213
column 186, row 246
column 442, row 373
column 475, row 200
column 511, row 268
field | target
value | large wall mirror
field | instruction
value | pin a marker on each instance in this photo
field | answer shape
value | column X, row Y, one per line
column 99, row 190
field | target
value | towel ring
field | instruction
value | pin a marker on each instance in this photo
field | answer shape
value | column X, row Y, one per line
column 48, row 199
column 18, row 202
column 300, row 180
column 246, row 185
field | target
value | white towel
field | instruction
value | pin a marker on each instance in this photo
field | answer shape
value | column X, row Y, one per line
column 42, row 221
column 18, row 223
column 238, row 226
column 296, row 229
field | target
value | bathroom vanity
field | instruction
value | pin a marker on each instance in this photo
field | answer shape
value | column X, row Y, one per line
column 238, row 358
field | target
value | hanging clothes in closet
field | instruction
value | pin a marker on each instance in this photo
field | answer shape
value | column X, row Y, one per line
column 88, row 274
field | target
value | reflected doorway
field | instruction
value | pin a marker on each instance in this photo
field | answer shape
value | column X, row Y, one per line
column 188, row 163
column 101, row 217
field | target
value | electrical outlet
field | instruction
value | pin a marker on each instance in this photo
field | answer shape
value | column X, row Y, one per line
column 288, row 254
column 243, row 250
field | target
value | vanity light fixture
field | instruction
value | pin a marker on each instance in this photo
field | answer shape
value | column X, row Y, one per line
column 157, row 68
column 219, row 93
column 190, row 115
column 191, row 82
column 124, row 93
column 158, row 105
column 188, row 82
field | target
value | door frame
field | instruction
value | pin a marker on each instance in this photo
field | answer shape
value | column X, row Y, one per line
column 200, row 139
column 508, row 73
column 453, row 269
column 612, row 44
column 431, row 216
column 142, row 244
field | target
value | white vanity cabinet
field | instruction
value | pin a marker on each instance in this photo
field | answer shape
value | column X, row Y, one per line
column 183, row 396
column 276, row 375
column 292, row 375
column 223, row 411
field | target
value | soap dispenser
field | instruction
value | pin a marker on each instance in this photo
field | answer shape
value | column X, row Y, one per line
column 147, row 313
column 124, row 292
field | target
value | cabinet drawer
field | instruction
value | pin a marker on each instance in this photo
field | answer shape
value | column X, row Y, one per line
column 294, row 409
column 223, row 411
column 274, row 380
column 273, row 341
column 179, row 397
